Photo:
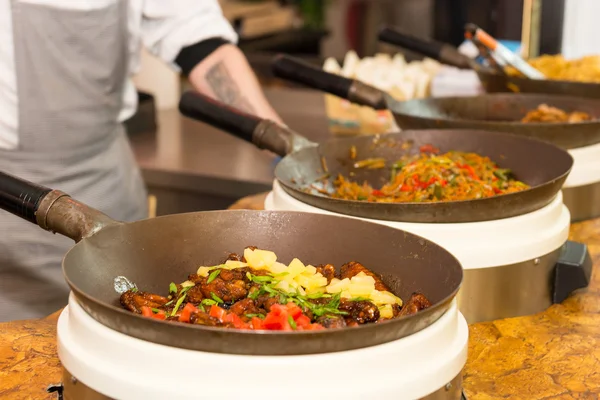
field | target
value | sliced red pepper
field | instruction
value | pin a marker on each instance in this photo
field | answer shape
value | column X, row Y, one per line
column 470, row 170
column 377, row 193
column 302, row 321
column 147, row 312
column 160, row 315
column 406, row 188
column 293, row 310
column 497, row 190
column 187, row 312
column 235, row 320
column 277, row 319
column 217, row 312
column 314, row 327
column 428, row 148
column 257, row 323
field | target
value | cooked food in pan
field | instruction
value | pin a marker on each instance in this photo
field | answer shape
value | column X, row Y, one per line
column 585, row 69
column 256, row 292
column 546, row 114
column 429, row 176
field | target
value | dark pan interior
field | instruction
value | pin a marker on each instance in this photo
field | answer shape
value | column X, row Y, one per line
column 539, row 164
column 153, row 253
column 502, row 112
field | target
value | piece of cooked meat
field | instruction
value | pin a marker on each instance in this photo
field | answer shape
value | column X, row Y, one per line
column 194, row 295
column 327, row 270
column 353, row 268
column 202, row 318
column 228, row 291
column 360, row 311
column 233, row 257
column 265, row 301
column 134, row 301
column 243, row 307
column 416, row 303
column 331, row 321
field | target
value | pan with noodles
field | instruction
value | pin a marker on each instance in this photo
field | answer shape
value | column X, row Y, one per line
column 430, row 176
column 308, row 170
column 547, row 114
column 255, row 292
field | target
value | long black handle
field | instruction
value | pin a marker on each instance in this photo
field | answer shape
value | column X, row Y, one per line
column 203, row 108
column 264, row 133
column 442, row 52
column 20, row 197
column 299, row 71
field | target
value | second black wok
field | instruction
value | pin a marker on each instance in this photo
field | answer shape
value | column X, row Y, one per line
column 541, row 165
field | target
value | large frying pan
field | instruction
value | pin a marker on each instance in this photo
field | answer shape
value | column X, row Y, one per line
column 490, row 80
column 151, row 253
column 502, row 112
column 541, row 165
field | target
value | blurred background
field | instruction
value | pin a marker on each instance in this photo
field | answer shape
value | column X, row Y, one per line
column 221, row 169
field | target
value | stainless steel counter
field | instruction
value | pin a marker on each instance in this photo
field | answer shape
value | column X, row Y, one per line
column 190, row 166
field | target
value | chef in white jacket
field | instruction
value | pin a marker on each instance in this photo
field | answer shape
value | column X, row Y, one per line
column 65, row 89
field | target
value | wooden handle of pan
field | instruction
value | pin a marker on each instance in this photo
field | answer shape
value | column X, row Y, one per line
column 52, row 210
column 265, row 134
column 442, row 52
column 299, row 71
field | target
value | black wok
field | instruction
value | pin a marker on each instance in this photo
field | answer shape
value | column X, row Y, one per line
column 545, row 172
column 490, row 79
column 151, row 253
column 502, row 112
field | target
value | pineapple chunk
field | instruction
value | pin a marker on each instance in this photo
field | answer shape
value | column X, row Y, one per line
column 338, row 286
column 310, row 270
column 382, row 297
column 295, row 268
column 235, row 264
column 386, row 311
column 259, row 259
column 277, row 268
column 283, row 285
column 316, row 282
column 346, row 295
column 360, row 290
column 204, row 271
column 188, row 284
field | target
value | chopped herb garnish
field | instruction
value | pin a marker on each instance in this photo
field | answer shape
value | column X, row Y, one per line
column 262, row 279
column 172, row 288
column 208, row 302
column 213, row 275
column 259, row 315
column 178, row 304
column 292, row 322
column 360, row 299
column 168, row 303
column 133, row 289
column 216, row 298
column 156, row 310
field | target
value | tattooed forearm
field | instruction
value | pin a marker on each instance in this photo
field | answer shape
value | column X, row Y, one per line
column 226, row 89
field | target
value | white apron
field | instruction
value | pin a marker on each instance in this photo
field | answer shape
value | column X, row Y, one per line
column 71, row 70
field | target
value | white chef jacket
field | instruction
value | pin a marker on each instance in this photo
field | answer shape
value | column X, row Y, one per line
column 163, row 26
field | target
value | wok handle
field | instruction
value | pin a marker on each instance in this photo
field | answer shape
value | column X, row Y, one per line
column 299, row 71
column 20, row 197
column 442, row 52
column 573, row 270
column 265, row 134
column 52, row 210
